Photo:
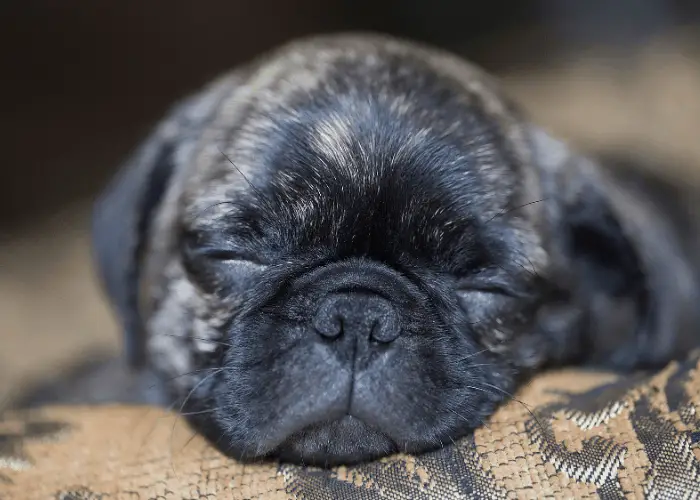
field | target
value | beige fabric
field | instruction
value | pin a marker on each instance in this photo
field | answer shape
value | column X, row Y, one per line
column 570, row 434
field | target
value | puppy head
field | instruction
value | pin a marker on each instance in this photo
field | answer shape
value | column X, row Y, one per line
column 343, row 252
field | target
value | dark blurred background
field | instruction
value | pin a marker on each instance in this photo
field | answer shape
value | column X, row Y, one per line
column 82, row 81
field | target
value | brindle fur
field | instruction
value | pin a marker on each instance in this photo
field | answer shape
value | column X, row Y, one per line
column 605, row 277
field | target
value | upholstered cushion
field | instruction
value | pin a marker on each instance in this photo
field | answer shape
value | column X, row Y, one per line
column 569, row 434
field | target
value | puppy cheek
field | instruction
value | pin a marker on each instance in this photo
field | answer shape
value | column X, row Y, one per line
column 168, row 346
column 500, row 332
column 431, row 374
column 184, row 336
column 478, row 381
column 268, row 367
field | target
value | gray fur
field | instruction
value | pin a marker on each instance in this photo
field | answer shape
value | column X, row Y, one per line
column 219, row 136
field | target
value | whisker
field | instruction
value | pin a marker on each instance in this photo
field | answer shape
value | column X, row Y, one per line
column 209, row 207
column 261, row 198
column 458, row 415
column 534, row 270
column 196, row 386
column 271, row 359
column 194, row 435
column 202, row 412
column 257, row 191
column 503, row 391
column 182, row 406
column 472, row 355
column 156, row 421
column 462, row 417
column 531, row 273
column 513, row 398
column 203, row 339
column 200, row 370
column 484, row 423
column 504, row 212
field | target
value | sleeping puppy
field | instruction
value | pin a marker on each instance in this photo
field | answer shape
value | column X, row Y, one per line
column 357, row 245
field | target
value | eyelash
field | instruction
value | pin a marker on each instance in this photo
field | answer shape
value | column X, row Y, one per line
column 229, row 255
column 193, row 248
column 487, row 286
column 497, row 281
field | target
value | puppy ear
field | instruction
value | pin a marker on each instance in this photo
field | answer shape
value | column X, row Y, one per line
column 618, row 252
column 587, row 217
column 123, row 213
column 120, row 222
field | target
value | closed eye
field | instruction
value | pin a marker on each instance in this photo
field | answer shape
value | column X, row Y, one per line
column 479, row 300
column 217, row 247
column 212, row 261
column 228, row 255
column 484, row 304
column 221, row 270
column 493, row 281
column 477, row 287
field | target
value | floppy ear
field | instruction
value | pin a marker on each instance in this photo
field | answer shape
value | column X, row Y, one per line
column 123, row 213
column 619, row 252
column 120, row 222
column 588, row 217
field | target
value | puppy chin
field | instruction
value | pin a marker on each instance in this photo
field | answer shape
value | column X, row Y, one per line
column 347, row 440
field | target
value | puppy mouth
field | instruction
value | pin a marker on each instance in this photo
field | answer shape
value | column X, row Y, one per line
column 345, row 391
column 345, row 441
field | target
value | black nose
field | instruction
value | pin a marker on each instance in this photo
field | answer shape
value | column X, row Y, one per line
column 366, row 316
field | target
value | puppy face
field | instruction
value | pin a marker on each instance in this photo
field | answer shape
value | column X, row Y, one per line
column 349, row 249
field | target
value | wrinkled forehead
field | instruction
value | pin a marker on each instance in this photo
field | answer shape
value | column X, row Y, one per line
column 345, row 183
column 357, row 132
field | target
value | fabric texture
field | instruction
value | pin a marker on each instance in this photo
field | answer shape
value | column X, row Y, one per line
column 567, row 434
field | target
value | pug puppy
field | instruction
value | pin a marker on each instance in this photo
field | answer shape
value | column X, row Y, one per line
column 357, row 245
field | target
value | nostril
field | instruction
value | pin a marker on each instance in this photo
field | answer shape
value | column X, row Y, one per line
column 327, row 325
column 364, row 317
column 386, row 327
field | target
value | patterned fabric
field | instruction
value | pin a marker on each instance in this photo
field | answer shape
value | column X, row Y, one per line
column 569, row 434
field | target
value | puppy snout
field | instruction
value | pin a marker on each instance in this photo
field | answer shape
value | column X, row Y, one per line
column 365, row 317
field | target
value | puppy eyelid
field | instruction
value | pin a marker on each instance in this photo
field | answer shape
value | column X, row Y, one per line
column 488, row 286
column 496, row 281
column 483, row 289
column 234, row 257
column 227, row 255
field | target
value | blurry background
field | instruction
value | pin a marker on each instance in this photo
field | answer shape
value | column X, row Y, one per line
column 83, row 81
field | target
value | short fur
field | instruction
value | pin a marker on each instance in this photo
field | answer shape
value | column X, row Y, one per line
column 357, row 245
